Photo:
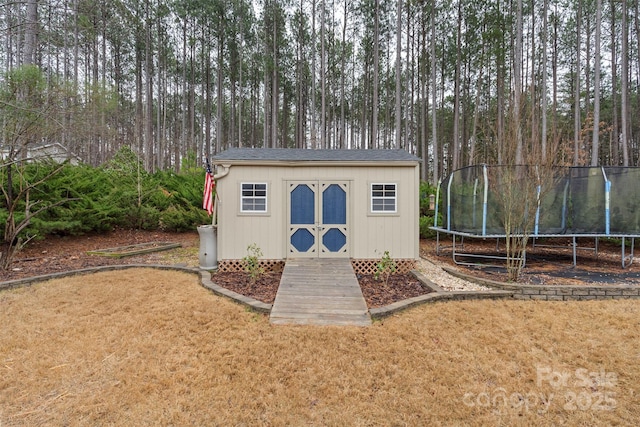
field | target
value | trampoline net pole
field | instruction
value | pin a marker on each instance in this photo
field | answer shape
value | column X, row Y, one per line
column 449, row 202
column 475, row 201
column 435, row 216
column 484, row 203
column 607, row 209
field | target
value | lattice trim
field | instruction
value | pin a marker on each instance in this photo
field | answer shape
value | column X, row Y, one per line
column 370, row 266
column 228, row 265
column 360, row 266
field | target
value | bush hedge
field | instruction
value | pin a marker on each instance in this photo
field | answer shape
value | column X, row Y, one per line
column 103, row 198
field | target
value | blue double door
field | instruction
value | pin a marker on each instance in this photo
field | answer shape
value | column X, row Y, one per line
column 318, row 219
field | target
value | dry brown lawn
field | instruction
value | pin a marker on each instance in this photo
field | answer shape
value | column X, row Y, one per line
column 147, row 347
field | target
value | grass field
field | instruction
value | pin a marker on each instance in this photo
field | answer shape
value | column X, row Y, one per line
column 147, row 347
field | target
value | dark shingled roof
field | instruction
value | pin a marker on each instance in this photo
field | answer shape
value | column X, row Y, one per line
column 308, row 155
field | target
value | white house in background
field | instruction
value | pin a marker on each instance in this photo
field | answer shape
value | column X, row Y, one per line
column 296, row 203
column 46, row 151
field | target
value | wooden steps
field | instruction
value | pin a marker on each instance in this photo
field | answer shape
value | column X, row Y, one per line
column 319, row 291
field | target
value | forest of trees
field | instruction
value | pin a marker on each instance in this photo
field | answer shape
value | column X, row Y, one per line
column 456, row 82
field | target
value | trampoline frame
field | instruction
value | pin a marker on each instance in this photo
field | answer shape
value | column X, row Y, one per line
column 458, row 256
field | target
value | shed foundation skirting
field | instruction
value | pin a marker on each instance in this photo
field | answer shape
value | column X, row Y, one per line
column 370, row 266
column 229, row 265
column 360, row 266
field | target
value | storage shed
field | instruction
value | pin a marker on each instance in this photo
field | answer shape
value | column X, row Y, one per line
column 294, row 203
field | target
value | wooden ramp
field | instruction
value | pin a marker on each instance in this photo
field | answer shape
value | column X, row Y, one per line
column 315, row 291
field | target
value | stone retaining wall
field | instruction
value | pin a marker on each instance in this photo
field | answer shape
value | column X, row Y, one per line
column 557, row 292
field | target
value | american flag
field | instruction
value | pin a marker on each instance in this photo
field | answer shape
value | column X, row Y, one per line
column 209, row 188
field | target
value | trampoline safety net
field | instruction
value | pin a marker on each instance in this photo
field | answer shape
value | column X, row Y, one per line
column 561, row 200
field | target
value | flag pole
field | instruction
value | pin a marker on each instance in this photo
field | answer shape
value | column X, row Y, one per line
column 209, row 191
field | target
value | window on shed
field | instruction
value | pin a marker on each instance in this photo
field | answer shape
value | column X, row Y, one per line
column 384, row 198
column 254, row 197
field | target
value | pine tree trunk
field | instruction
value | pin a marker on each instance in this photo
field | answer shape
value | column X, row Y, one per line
column 220, row 93
column 207, row 100
column 576, row 91
column 595, row 140
column 185, row 106
column 517, row 90
column 10, row 36
column 342, row 143
column 455, row 140
column 314, row 115
column 149, row 149
column 398, row 122
column 554, row 79
column 624, row 77
column 30, row 33
column 274, row 91
column 376, row 76
column 434, row 94
column 545, row 61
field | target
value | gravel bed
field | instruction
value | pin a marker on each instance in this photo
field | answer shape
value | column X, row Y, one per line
column 446, row 281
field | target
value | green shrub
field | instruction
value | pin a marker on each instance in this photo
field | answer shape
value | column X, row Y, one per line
column 385, row 267
column 252, row 262
column 118, row 194
column 425, row 190
column 176, row 218
column 426, row 221
column 141, row 218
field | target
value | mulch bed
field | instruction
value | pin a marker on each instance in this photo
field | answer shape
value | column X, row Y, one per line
column 55, row 254
column 264, row 288
column 376, row 293
column 548, row 263
column 399, row 287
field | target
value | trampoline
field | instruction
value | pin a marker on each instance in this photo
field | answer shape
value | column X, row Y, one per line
column 569, row 202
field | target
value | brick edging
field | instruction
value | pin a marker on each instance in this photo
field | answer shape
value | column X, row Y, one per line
column 556, row 292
